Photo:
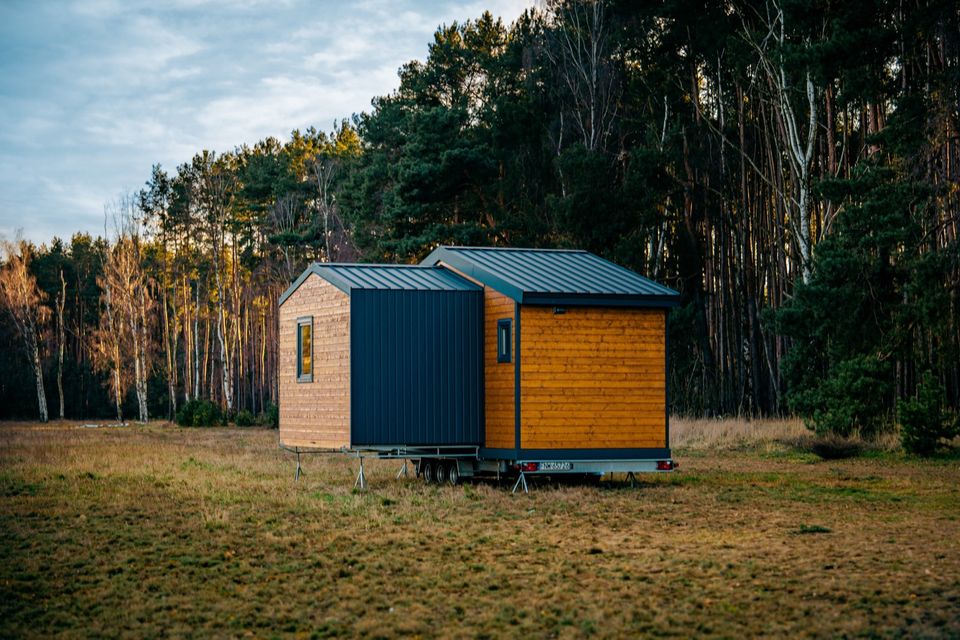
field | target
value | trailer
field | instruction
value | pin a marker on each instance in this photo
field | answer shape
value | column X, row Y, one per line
column 479, row 361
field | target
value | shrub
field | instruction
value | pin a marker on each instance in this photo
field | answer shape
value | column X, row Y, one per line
column 270, row 416
column 199, row 413
column 924, row 425
column 244, row 419
column 851, row 399
column 184, row 415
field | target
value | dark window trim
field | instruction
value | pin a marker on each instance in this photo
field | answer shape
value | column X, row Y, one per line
column 305, row 321
column 504, row 356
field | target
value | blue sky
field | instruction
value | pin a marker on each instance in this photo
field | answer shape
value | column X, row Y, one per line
column 94, row 92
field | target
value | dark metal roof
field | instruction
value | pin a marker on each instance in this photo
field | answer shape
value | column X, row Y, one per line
column 384, row 277
column 554, row 276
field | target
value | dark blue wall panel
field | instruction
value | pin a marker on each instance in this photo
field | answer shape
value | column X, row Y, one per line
column 416, row 368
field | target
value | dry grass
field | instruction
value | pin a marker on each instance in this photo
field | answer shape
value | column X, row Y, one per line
column 730, row 433
column 149, row 531
column 724, row 434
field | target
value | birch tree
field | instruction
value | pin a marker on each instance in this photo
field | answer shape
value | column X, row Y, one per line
column 215, row 190
column 128, row 304
column 798, row 145
column 108, row 343
column 581, row 52
column 23, row 301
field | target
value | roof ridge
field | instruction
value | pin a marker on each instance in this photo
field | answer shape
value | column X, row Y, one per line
column 375, row 265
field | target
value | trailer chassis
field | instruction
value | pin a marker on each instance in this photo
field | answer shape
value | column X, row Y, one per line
column 439, row 464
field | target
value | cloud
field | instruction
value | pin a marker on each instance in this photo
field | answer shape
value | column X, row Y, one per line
column 94, row 92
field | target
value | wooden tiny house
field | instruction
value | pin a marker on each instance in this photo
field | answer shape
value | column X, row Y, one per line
column 588, row 363
column 480, row 360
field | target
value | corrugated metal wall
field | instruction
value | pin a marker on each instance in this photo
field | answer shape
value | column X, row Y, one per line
column 416, row 368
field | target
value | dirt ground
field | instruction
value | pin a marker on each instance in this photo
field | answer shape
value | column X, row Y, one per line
column 160, row 531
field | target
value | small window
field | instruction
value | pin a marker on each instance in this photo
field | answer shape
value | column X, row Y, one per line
column 503, row 340
column 305, row 349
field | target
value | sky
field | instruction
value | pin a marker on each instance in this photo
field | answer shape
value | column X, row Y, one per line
column 93, row 93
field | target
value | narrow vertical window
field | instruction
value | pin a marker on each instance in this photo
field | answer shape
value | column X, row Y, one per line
column 305, row 349
column 503, row 340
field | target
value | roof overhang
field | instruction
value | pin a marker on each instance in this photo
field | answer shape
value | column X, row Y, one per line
column 612, row 300
column 470, row 269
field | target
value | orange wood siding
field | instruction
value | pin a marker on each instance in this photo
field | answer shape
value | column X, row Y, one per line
column 316, row 414
column 592, row 378
column 498, row 377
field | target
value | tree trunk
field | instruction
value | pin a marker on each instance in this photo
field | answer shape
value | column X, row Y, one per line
column 61, row 301
column 140, row 348
column 168, row 348
column 221, row 337
column 196, row 347
column 38, row 374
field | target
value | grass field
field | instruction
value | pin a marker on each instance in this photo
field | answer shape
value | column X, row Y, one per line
column 159, row 531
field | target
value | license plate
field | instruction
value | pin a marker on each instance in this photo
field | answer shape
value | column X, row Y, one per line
column 556, row 466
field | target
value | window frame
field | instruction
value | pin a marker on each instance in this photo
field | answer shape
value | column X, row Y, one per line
column 505, row 356
column 305, row 321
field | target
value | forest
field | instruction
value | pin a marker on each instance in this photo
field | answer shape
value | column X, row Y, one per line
column 790, row 167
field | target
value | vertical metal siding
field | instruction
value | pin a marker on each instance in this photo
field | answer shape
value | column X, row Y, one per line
column 416, row 365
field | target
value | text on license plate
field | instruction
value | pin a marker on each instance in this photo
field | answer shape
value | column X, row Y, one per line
column 556, row 466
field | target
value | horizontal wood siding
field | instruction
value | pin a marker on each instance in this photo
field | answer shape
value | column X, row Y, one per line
column 499, row 379
column 316, row 414
column 592, row 378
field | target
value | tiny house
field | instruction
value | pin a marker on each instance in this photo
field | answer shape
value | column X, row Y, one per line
column 480, row 360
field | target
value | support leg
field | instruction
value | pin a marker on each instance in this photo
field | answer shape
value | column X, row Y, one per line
column 633, row 480
column 521, row 481
column 403, row 470
column 299, row 468
column 361, row 482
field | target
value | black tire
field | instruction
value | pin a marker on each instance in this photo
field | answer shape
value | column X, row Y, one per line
column 428, row 470
column 453, row 475
column 443, row 471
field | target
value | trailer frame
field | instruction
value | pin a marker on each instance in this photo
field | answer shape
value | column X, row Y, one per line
column 471, row 462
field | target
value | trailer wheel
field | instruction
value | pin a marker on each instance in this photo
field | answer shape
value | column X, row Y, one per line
column 427, row 469
column 453, row 475
column 442, row 471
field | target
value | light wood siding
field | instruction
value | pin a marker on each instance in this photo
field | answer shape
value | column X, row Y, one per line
column 316, row 414
column 592, row 378
column 499, row 378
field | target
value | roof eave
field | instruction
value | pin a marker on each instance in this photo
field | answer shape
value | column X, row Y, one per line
column 635, row 301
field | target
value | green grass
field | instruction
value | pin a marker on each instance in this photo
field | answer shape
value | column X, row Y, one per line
column 149, row 531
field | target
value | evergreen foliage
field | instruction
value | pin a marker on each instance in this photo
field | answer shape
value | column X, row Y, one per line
column 199, row 413
column 244, row 419
column 924, row 424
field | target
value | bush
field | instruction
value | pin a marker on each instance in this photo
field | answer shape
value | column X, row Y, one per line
column 199, row 413
column 244, row 419
column 270, row 416
column 924, row 425
column 851, row 399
